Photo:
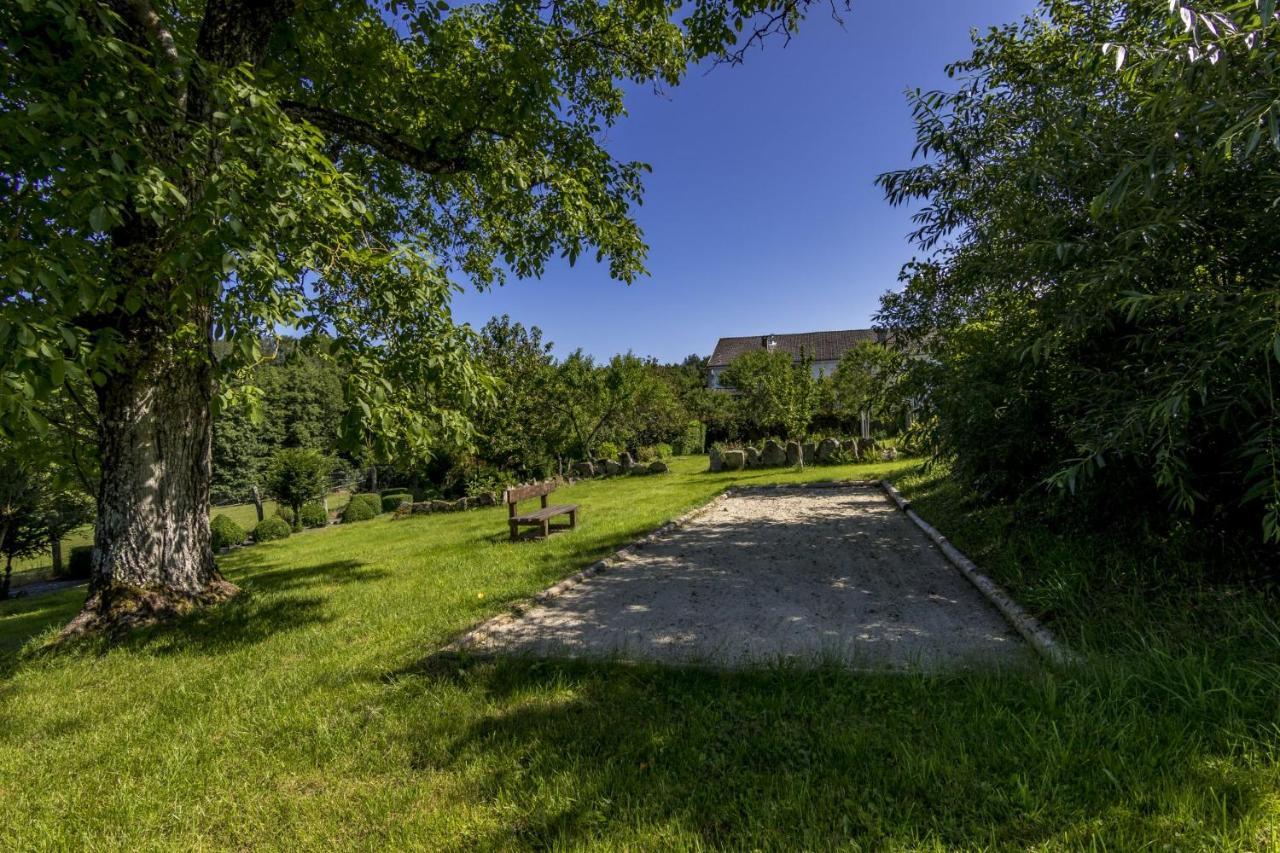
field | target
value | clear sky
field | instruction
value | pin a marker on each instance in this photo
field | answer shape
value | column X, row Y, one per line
column 761, row 213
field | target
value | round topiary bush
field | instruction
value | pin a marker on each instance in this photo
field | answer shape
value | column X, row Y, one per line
column 313, row 514
column 391, row 503
column 223, row 533
column 270, row 529
column 357, row 510
column 372, row 499
column 284, row 512
column 79, row 563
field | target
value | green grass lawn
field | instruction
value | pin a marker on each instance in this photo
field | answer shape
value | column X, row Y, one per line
column 310, row 713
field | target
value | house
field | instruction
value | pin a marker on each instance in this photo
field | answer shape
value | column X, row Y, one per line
column 825, row 348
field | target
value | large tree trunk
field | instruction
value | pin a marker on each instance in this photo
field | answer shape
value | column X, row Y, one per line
column 152, row 558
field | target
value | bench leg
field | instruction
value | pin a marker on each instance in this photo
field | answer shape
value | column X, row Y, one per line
column 515, row 531
column 546, row 528
column 573, row 519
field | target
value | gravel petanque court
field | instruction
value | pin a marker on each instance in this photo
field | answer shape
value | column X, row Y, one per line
column 806, row 575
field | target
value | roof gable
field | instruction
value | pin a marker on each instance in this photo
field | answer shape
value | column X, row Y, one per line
column 820, row 346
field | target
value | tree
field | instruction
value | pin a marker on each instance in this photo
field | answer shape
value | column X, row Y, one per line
column 35, row 509
column 516, row 432
column 1096, row 311
column 776, row 392
column 594, row 400
column 177, row 174
column 865, row 380
column 298, row 475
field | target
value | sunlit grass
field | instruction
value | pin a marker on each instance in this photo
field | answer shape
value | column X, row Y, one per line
column 310, row 713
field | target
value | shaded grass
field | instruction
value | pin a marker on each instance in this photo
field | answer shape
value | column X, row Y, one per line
column 311, row 713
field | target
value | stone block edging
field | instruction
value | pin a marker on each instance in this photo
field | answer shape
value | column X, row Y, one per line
column 1040, row 638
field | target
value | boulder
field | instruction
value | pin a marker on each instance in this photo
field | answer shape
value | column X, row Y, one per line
column 612, row 468
column 584, row 469
column 486, row 499
column 733, row 460
column 717, row 459
column 889, row 454
column 461, row 504
column 639, row 470
column 793, row 453
column 810, row 451
column 828, row 448
column 753, row 457
column 439, row 506
column 772, row 455
column 866, row 447
column 601, row 465
column 659, row 467
column 625, row 462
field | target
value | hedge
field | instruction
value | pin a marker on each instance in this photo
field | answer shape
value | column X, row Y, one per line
column 313, row 514
column 357, row 510
column 391, row 503
column 270, row 529
column 223, row 533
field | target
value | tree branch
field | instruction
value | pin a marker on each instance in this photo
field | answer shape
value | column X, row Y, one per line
column 426, row 159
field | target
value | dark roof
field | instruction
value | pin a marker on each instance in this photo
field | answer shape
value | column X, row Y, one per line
column 821, row 346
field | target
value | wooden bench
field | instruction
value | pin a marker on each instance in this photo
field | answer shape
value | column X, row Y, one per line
column 542, row 517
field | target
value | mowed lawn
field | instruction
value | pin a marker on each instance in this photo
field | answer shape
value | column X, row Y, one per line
column 310, row 712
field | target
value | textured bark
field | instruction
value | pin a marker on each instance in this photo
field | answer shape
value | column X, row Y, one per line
column 152, row 558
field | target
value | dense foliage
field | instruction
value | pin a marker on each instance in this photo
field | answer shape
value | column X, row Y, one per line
column 297, row 476
column 180, row 174
column 271, row 528
column 224, row 532
column 1098, row 308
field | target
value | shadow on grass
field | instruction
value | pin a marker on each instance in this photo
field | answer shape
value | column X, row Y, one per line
column 269, row 604
column 577, row 753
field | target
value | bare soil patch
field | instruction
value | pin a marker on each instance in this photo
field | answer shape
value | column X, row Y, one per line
column 776, row 575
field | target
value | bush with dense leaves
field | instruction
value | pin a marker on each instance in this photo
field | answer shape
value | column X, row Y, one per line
column 390, row 503
column 223, row 533
column 79, row 563
column 370, row 499
column 313, row 514
column 270, row 529
column 287, row 514
column 357, row 510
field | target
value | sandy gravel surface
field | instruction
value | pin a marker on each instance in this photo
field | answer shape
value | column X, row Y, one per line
column 793, row 574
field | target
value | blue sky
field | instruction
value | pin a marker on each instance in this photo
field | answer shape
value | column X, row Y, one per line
column 761, row 213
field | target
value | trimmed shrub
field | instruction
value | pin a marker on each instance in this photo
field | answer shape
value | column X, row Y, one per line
column 223, row 533
column 313, row 515
column 370, row 499
column 284, row 512
column 357, row 510
column 608, row 450
column 79, row 563
column 391, row 503
column 270, row 529
column 662, row 450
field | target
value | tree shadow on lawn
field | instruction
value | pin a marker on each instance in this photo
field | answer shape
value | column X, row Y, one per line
column 614, row 753
column 268, row 604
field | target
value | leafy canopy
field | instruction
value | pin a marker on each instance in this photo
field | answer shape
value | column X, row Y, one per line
column 175, row 169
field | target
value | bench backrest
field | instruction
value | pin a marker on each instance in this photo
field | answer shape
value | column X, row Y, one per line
column 515, row 494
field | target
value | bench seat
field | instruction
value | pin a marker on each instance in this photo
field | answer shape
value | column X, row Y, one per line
column 546, row 512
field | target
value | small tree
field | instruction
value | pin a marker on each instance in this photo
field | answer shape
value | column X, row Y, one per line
column 297, row 475
column 35, row 510
column 866, row 380
column 776, row 392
